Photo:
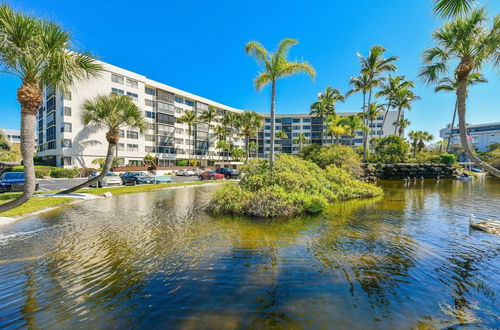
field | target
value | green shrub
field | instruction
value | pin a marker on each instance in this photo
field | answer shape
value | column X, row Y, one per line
column 390, row 149
column 341, row 156
column 181, row 162
column 40, row 171
column 64, row 173
column 448, row 159
column 295, row 186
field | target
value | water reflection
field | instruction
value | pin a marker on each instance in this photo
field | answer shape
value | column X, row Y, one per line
column 158, row 260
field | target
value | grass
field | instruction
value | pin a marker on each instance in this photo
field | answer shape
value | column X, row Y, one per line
column 41, row 203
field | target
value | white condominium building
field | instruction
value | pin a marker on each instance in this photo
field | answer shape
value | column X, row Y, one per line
column 481, row 135
column 64, row 141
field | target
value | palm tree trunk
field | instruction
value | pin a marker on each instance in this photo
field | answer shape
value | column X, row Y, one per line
column 28, row 121
column 461, row 109
column 190, row 145
column 247, row 148
column 385, row 116
column 365, row 142
column 397, row 121
column 273, row 99
column 448, row 146
column 107, row 166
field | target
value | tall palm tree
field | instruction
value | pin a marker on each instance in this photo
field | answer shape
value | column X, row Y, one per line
column 414, row 137
column 325, row 105
column 249, row 123
column 208, row 116
column 390, row 89
column 470, row 42
column 191, row 119
column 221, row 133
column 353, row 124
column 253, row 146
column 282, row 136
column 401, row 124
column 300, row 140
column 374, row 110
column 275, row 66
column 224, row 146
column 39, row 53
column 403, row 100
column 111, row 112
column 424, row 137
column 230, row 120
column 452, row 8
column 448, row 84
column 373, row 66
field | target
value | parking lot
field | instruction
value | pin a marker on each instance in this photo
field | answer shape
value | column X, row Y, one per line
column 57, row 184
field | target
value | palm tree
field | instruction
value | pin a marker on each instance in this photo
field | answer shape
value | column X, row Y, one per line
column 373, row 66
column 230, row 120
column 282, row 136
column 374, row 110
column 352, row 124
column 249, row 122
column 390, row 89
column 424, row 136
column 39, row 53
column 325, row 105
column 472, row 44
column 221, row 133
column 450, row 85
column 111, row 112
column 237, row 153
column 224, row 146
column 275, row 66
column 401, row 124
column 253, row 146
column 451, row 8
column 414, row 137
column 403, row 100
column 301, row 139
column 208, row 116
column 189, row 117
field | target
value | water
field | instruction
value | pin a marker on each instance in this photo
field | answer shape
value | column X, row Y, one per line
column 156, row 260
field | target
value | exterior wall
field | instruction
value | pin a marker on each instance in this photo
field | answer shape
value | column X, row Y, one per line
column 482, row 135
column 12, row 135
column 64, row 141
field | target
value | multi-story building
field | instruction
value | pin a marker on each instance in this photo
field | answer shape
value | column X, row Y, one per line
column 482, row 135
column 13, row 135
column 64, row 141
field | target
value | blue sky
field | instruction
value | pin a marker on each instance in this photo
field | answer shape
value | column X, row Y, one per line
column 198, row 46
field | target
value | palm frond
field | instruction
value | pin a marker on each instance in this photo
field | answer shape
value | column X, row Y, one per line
column 452, row 8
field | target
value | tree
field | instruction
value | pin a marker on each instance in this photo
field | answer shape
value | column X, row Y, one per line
column 191, row 119
column 373, row 66
column 237, row 153
column 374, row 110
column 335, row 127
column 253, row 146
column 275, row 66
column 282, row 136
column 352, row 124
column 325, row 105
column 401, row 125
column 470, row 42
column 403, row 101
column 39, row 53
column 208, row 116
column 230, row 120
column 390, row 149
column 390, row 90
column 249, row 123
column 452, row 8
column 300, row 140
column 417, row 139
column 450, row 85
column 224, row 146
column 4, row 143
column 111, row 112
column 221, row 132
column 102, row 161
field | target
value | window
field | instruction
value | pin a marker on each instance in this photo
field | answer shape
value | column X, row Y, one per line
column 165, row 107
column 179, row 99
column 295, row 134
column 165, row 130
column 296, row 127
column 149, row 91
column 51, row 104
column 201, row 106
column 67, row 96
column 278, row 128
column 149, row 149
column 121, row 147
column 132, row 147
column 149, row 103
column 179, row 131
column 150, row 114
column 306, row 127
column 149, row 137
column 150, row 126
column 179, row 141
column 134, row 96
column 189, row 102
column 164, row 96
column 66, row 161
column 267, row 120
column 51, row 133
column 66, row 127
column 67, row 111
column 307, row 134
column 116, row 78
column 306, row 120
column 132, row 83
column 117, row 91
column 267, row 134
column 165, row 119
column 122, row 133
column 66, row 143
column 179, row 110
column 296, row 120
column 267, row 127
column 132, row 135
column 51, row 119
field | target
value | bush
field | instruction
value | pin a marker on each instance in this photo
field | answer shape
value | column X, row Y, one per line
column 295, row 186
column 40, row 171
column 64, row 173
column 425, row 157
column 390, row 149
column 181, row 162
column 448, row 159
column 341, row 156
column 85, row 172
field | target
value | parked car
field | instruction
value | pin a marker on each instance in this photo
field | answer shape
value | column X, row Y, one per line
column 476, row 170
column 133, row 178
column 111, row 179
column 185, row 173
column 163, row 179
column 210, row 175
column 13, row 181
column 228, row 172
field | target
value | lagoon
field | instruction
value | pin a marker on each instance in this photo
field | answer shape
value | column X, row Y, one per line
column 157, row 260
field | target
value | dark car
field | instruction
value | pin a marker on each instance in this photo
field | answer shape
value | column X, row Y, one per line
column 228, row 173
column 210, row 175
column 133, row 178
column 13, row 181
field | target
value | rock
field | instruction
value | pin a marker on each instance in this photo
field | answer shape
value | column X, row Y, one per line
column 107, row 194
column 489, row 226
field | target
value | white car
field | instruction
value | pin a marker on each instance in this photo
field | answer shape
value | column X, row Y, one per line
column 111, row 179
column 185, row 173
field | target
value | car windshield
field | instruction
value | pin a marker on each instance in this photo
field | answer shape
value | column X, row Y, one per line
column 13, row 176
column 111, row 174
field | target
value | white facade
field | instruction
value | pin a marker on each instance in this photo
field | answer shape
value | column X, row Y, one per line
column 12, row 135
column 482, row 135
column 64, row 141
